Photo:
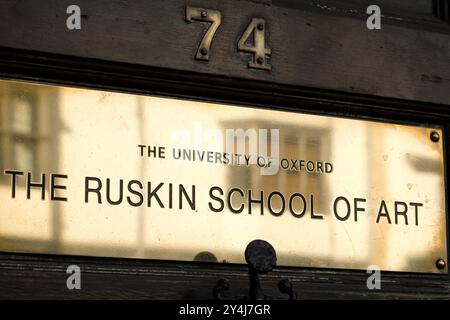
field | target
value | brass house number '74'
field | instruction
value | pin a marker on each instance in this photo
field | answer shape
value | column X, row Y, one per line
column 256, row 27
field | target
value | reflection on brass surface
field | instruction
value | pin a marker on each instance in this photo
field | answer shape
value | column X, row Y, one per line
column 87, row 172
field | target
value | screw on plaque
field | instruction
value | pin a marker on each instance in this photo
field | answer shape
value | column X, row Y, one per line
column 440, row 264
column 434, row 136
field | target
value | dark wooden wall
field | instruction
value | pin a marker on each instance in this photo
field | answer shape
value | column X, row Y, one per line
column 324, row 60
column 315, row 43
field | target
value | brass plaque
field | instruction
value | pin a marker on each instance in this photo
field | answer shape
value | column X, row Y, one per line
column 88, row 172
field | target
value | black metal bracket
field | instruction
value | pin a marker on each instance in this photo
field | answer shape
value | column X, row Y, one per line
column 261, row 258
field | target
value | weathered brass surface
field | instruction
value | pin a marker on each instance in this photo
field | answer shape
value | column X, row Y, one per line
column 147, row 177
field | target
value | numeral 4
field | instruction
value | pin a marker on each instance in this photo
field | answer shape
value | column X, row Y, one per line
column 260, row 52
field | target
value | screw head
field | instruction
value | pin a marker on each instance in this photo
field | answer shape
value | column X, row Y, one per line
column 204, row 14
column 440, row 264
column 260, row 26
column 434, row 136
column 203, row 51
column 260, row 60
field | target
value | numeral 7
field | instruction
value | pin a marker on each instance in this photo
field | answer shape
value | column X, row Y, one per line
column 206, row 15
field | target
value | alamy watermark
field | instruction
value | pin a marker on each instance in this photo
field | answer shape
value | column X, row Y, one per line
column 74, row 280
column 73, row 22
column 374, row 280
column 374, row 20
column 258, row 146
column 233, row 146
